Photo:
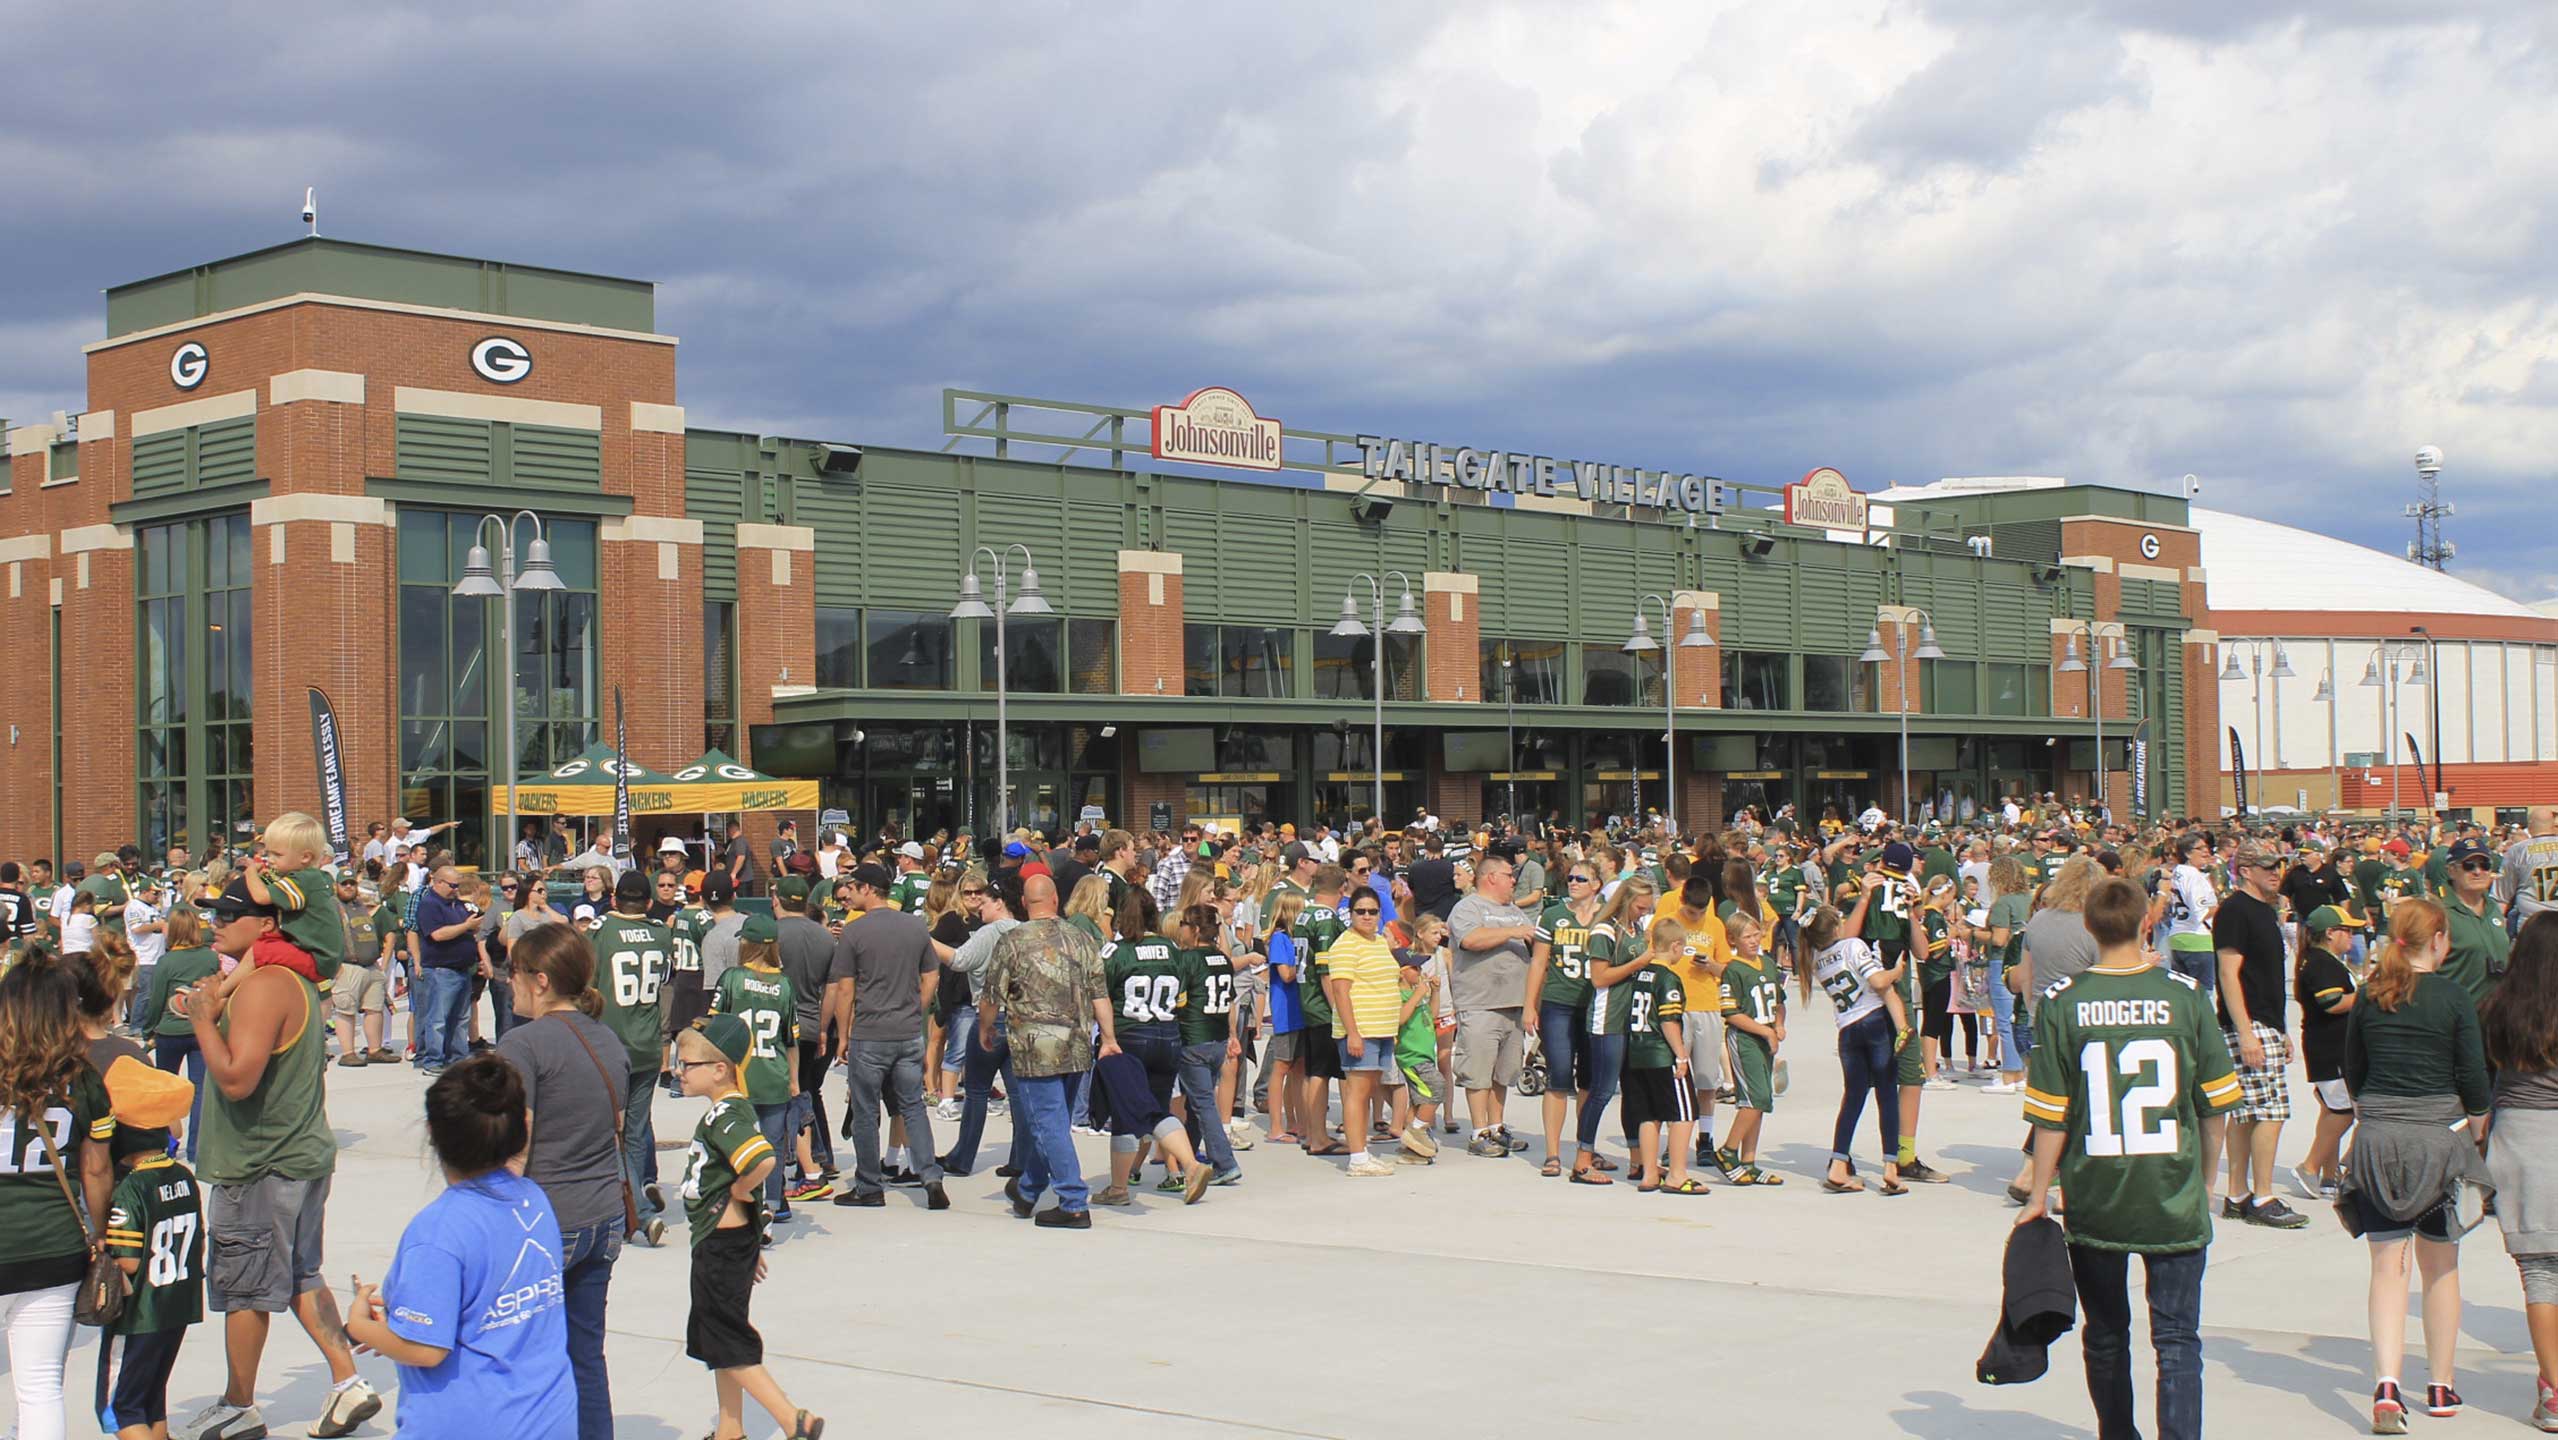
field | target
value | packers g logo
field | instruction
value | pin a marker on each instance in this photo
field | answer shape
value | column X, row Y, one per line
column 501, row 361
column 188, row 365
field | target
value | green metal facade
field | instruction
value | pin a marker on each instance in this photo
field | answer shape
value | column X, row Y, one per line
column 316, row 266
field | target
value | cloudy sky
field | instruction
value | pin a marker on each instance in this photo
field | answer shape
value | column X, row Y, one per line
column 2277, row 246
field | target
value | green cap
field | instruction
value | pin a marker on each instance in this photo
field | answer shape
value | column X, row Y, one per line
column 728, row 1035
column 2329, row 917
column 791, row 888
column 760, row 927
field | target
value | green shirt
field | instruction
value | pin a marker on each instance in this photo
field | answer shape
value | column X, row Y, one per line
column 1207, row 995
column 1752, row 991
column 157, row 1217
column 2479, row 946
column 1785, row 889
column 2396, row 884
column 2367, row 873
column 282, row 1128
column 363, row 936
column 1887, row 918
column 726, row 1146
column 1654, row 1002
column 1936, row 861
column 2428, row 1046
column 1317, row 927
column 765, row 1000
column 907, row 891
column 34, row 1223
column 308, row 914
column 1937, row 954
column 1567, row 968
column 390, row 923
column 684, row 932
column 1417, row 1043
column 630, row 971
column 2010, row 912
column 1145, row 978
column 1610, row 1004
column 176, row 971
column 2127, row 1064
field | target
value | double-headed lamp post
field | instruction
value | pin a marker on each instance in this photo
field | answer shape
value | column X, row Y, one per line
column 1407, row 621
column 1875, row 654
column 1642, row 643
column 2375, row 678
column 2112, row 657
column 972, row 606
column 2281, row 670
column 482, row 582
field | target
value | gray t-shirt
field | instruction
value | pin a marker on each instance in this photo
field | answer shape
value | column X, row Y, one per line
column 886, row 954
column 808, row 952
column 719, row 949
column 1494, row 979
column 970, row 957
column 575, row 1158
column 2058, row 946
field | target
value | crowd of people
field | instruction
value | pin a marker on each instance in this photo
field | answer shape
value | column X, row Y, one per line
column 2145, row 992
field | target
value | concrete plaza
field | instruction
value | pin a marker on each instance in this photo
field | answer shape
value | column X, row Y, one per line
column 1466, row 1297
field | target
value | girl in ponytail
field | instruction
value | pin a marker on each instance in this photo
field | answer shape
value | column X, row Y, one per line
column 2417, row 926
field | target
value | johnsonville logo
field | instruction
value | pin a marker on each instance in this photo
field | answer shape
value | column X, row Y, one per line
column 1823, row 500
column 1216, row 426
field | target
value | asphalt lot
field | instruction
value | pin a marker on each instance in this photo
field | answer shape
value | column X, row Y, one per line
column 1470, row 1296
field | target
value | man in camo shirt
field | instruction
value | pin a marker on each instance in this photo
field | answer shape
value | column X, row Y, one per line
column 1045, row 983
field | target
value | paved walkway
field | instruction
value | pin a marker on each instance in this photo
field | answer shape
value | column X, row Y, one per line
column 1469, row 1297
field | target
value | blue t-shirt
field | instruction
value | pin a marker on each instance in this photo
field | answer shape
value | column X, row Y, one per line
column 478, row 1275
column 1384, row 889
column 1286, row 1014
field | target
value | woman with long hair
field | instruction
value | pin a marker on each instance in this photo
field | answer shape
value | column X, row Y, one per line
column 1616, row 952
column 103, row 974
column 51, row 1105
column 2417, row 1068
column 1557, row 1009
column 1280, row 1070
column 948, row 916
column 2520, row 1029
column 1872, row 1027
column 2002, row 935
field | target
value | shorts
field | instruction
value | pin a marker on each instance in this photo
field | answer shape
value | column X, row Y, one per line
column 717, row 1332
column 360, row 990
column 266, row 1243
column 1427, row 1087
column 1283, row 1048
column 1655, row 1097
column 1318, row 1058
column 1705, row 1050
column 2333, row 1095
column 1909, row 1066
column 1375, row 1056
column 1753, row 1071
column 1489, row 1049
column 1136, row 1087
column 133, row 1377
column 2434, row 1224
column 2263, row 1094
column 1936, row 1004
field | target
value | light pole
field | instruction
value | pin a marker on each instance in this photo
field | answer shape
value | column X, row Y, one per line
column 2417, row 674
column 2281, row 671
column 1510, row 726
column 2115, row 657
column 972, row 606
column 480, row 582
column 1407, row 621
column 1642, row 643
column 2433, row 702
column 1876, row 655
column 2325, row 695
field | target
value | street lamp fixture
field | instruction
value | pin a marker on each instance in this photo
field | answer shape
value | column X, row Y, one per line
column 482, row 580
column 1642, row 643
column 2375, row 678
column 1407, row 621
column 1875, row 654
column 972, row 606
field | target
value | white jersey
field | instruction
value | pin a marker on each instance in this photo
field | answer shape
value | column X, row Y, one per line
column 2190, row 902
column 1845, row 972
column 2528, row 883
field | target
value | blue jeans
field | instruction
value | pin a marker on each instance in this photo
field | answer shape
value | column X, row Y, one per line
column 639, row 1136
column 774, row 1121
column 2105, row 1338
column 2200, row 966
column 1868, row 1067
column 954, row 1036
column 439, row 1013
column 586, row 1274
column 893, row 1070
column 182, row 1051
column 1198, row 1079
column 1563, row 1035
column 978, row 1072
column 1602, row 1062
column 2014, row 1031
column 1039, row 1112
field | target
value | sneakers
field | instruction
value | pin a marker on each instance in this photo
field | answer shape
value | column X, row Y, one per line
column 1409, row 1156
column 1419, row 1143
column 2441, row 1401
column 2230, row 1209
column 1512, row 1144
column 1090, row 1130
column 1231, row 1175
column 949, row 1110
column 2544, row 1416
column 1487, row 1145
column 1369, row 1168
column 218, row 1421
column 867, row 1199
column 1194, row 1186
column 1923, row 1173
column 2003, row 1087
column 2274, row 1215
column 355, row 1060
column 2313, row 1187
column 1170, row 1184
column 1939, row 1083
column 1112, row 1195
column 354, row 1403
column 806, row 1189
column 2388, row 1411
column 655, row 1195
column 653, row 1230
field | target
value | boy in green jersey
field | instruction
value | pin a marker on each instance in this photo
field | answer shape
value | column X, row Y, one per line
column 1753, row 1028
column 156, row 1236
column 2129, row 1080
column 1318, row 926
column 1656, row 1089
column 724, row 1173
column 630, row 973
column 756, row 991
column 1416, row 1045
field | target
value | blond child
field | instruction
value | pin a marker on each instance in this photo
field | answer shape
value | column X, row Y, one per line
column 286, row 872
column 1753, row 1028
column 1416, row 1047
column 1657, row 1092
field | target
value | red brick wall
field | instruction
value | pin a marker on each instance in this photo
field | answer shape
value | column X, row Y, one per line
column 1452, row 655
column 1695, row 673
column 1144, row 790
column 1149, row 632
column 776, row 633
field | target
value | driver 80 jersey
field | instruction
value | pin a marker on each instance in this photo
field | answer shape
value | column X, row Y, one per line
column 2128, row 1064
column 632, row 955
column 1145, row 978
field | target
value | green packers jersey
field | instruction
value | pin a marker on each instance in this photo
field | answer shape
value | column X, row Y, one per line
column 1937, row 951
column 765, row 1000
column 1567, row 968
column 1654, row 1002
column 1207, row 995
column 1610, row 1003
column 307, row 906
column 1145, row 980
column 32, row 1215
column 1752, row 991
column 907, row 891
column 1317, row 927
column 1935, row 862
column 2393, row 886
column 157, row 1218
column 1785, row 889
column 630, row 969
column 389, row 924
column 2127, row 1063
column 726, row 1146
column 363, row 937
column 685, row 929
column 2048, row 867
column 2367, row 873
column 1887, row 916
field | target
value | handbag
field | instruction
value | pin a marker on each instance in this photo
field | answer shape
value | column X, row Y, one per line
column 105, row 1291
column 630, row 1203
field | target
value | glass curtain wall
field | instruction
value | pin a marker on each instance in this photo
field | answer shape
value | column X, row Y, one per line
column 195, row 759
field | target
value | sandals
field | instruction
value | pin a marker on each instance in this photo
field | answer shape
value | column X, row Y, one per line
column 1647, row 1188
column 1286, row 1140
column 1328, row 1151
column 1841, row 1187
column 1892, row 1187
column 1590, row 1177
column 1551, row 1168
column 805, row 1426
column 1689, row 1186
column 1602, row 1163
column 1753, row 1175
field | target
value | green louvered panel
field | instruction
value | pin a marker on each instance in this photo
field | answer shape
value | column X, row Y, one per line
column 1538, row 572
column 1481, row 554
column 1095, row 534
column 2017, row 623
column 1334, row 554
column 439, row 447
column 1758, row 611
column 1603, row 588
column 1036, row 521
column 226, row 451
column 1836, row 608
column 912, row 553
column 716, row 498
column 832, row 508
column 1193, row 534
column 2167, row 758
column 1721, row 574
column 543, row 455
column 2027, row 540
column 160, row 463
column 1954, row 607
column 2154, row 599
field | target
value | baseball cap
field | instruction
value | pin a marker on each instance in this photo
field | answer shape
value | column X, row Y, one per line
column 1294, row 851
column 1287, row 829
column 1015, row 850
column 670, row 846
column 234, row 902
column 910, row 851
column 1088, row 841
column 874, row 875
column 2330, row 917
column 717, row 888
column 105, row 861
column 2259, row 855
column 74, row 870
column 760, row 927
column 2397, row 846
column 631, row 888
column 1899, row 856
column 728, row 1035
column 2467, row 848
column 791, row 888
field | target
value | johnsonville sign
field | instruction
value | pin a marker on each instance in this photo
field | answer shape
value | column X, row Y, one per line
column 1216, row 426
column 1823, row 500
column 1420, row 462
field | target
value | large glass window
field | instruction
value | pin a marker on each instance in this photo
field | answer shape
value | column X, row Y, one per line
column 1238, row 660
column 1037, row 662
column 2017, row 689
column 839, row 647
column 909, row 650
column 1092, row 657
column 719, row 675
column 1837, row 683
column 195, row 762
column 1536, row 671
column 1609, row 676
column 1345, row 667
column 1754, row 680
column 1953, row 688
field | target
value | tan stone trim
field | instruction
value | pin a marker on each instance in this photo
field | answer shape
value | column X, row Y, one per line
column 468, row 405
column 1155, row 588
column 1696, row 600
column 17, row 579
column 661, row 529
column 2128, row 524
column 670, row 560
column 80, row 539
column 1450, row 582
column 657, row 419
column 337, row 386
column 57, row 592
column 80, row 569
column 194, row 412
column 2195, row 573
column 1150, row 562
column 781, row 569
column 26, row 547
column 2168, row 573
column 754, row 536
column 1896, row 614
column 97, row 425
column 391, row 307
column 275, row 544
column 2202, row 637
column 341, row 542
column 32, row 439
column 335, row 509
column 1552, row 504
column 2101, row 564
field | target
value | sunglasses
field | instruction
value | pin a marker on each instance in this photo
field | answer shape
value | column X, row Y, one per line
column 1585, row 879
column 2476, row 865
column 1365, row 910
column 974, row 894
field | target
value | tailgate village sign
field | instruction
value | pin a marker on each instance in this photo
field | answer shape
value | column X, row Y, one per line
column 1420, row 462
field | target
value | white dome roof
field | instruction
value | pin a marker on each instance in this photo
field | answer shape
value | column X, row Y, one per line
column 2252, row 564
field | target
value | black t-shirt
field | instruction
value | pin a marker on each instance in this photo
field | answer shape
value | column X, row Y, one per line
column 1066, row 875
column 2323, row 979
column 1434, row 885
column 952, row 993
column 2301, row 888
column 2247, row 925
